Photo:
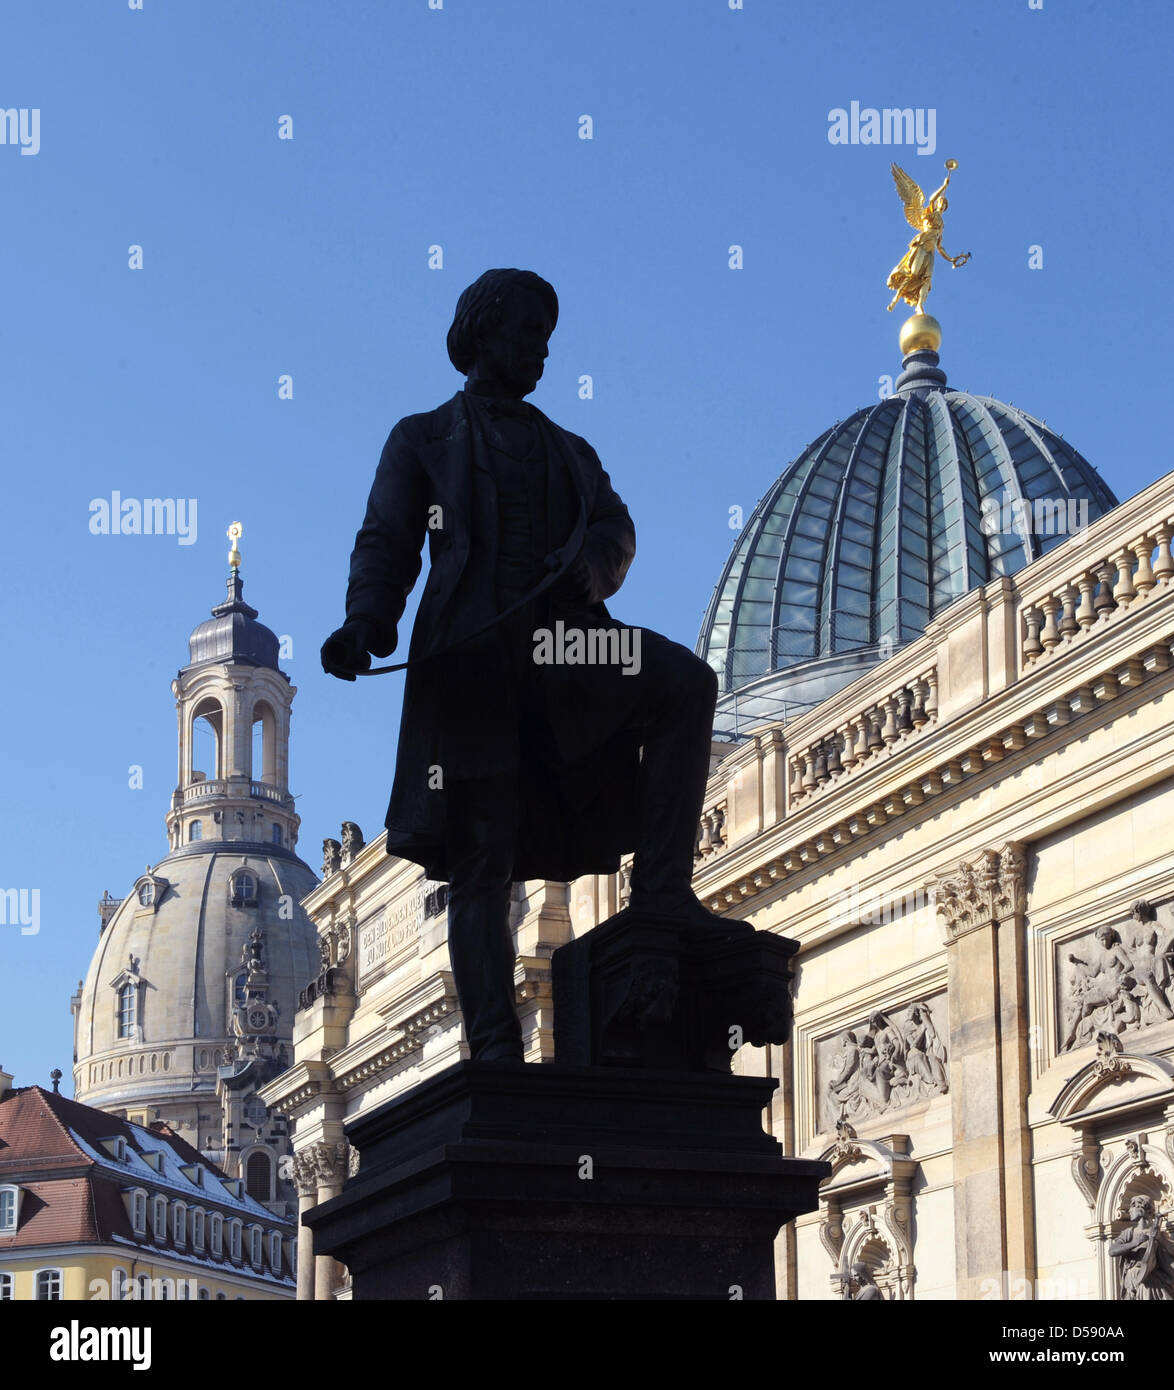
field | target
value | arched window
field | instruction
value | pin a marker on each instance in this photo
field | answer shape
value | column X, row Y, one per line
column 160, row 1218
column 256, row 1249
column 143, row 1288
column 203, row 1293
column 139, row 1213
column 276, row 833
column 264, row 743
column 216, row 1233
column 243, row 889
column 128, row 1010
column 207, row 728
column 234, row 1239
column 179, row 1223
column 146, row 893
column 118, row 1285
column 275, row 1251
column 9, row 1208
column 221, row 1296
column 198, row 1228
column 259, row 1176
column 48, row 1284
column 163, row 1288
column 196, row 830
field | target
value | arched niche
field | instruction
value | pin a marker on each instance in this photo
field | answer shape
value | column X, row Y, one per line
column 866, row 1210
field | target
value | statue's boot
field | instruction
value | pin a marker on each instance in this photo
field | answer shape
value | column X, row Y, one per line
column 670, row 790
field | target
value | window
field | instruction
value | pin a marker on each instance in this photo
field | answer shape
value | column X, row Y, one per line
column 118, row 1290
column 179, row 1223
column 198, row 1228
column 146, row 893
column 9, row 1207
column 160, row 1218
column 240, row 991
column 276, row 834
column 128, row 999
column 246, row 887
column 6, row 1288
column 183, row 1288
column 139, row 1213
column 222, row 1296
column 48, row 1284
column 255, row 1246
column 203, row 1293
column 142, row 1288
column 234, row 1239
column 275, row 1251
column 216, row 1233
column 163, row 1288
column 258, row 1176
column 196, row 830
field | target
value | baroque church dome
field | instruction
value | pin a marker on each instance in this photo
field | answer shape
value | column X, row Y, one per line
column 876, row 527
column 188, row 1005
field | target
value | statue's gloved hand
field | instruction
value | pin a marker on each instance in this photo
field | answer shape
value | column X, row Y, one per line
column 348, row 650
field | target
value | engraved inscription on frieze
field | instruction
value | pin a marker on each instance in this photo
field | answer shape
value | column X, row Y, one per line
column 397, row 926
column 1117, row 978
column 889, row 1060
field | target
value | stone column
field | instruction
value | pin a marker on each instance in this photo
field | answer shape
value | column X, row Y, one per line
column 330, row 1163
column 306, row 1178
column 982, row 903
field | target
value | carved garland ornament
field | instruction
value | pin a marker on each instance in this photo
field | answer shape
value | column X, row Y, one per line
column 982, row 890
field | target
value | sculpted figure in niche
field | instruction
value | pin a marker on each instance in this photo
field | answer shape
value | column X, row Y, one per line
column 858, row 1285
column 1147, row 1263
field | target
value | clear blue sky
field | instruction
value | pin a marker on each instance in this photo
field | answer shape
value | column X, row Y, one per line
column 460, row 127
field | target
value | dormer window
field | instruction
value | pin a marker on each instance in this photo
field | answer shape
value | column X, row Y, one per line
column 243, row 889
column 216, row 1233
column 160, row 1218
column 9, row 1209
column 198, row 1228
column 179, row 1223
column 138, row 1212
column 146, row 893
column 256, row 1236
column 275, row 1251
column 116, row 1148
column 234, row 1239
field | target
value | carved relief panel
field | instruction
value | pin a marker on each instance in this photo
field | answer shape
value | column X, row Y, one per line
column 1117, row 978
column 891, row 1059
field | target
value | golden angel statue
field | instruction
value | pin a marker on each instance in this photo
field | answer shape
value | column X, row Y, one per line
column 911, row 278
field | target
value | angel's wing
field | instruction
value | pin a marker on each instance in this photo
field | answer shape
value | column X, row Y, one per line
column 911, row 195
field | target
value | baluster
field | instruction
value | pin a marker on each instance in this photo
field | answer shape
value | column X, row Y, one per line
column 1086, row 614
column 1165, row 566
column 1031, row 643
column 1104, row 602
column 808, row 772
column 931, row 700
column 875, row 740
column 821, row 766
column 1144, row 578
column 834, row 764
column 904, row 717
column 1068, row 624
column 848, row 745
column 920, row 718
column 1123, row 591
column 719, row 827
column 1050, row 633
column 862, row 731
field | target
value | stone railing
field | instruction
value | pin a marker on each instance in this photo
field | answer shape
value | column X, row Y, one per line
column 200, row 789
column 265, row 792
column 1098, row 574
column 711, row 836
column 1097, row 590
column 858, row 736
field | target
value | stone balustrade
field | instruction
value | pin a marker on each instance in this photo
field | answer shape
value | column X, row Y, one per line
column 861, row 735
column 711, row 836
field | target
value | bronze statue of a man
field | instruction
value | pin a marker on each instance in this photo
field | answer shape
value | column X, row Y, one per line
column 540, row 737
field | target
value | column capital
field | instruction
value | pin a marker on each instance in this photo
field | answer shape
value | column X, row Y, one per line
column 982, row 890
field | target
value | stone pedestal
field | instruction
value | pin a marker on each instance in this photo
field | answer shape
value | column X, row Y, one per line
column 632, row 1167
column 494, row 1181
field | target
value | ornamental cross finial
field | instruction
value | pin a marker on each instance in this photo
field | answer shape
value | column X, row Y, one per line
column 234, row 535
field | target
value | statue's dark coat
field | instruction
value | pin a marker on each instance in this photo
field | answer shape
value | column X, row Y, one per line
column 577, row 767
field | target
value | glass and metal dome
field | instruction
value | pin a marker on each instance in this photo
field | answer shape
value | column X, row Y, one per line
column 885, row 519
